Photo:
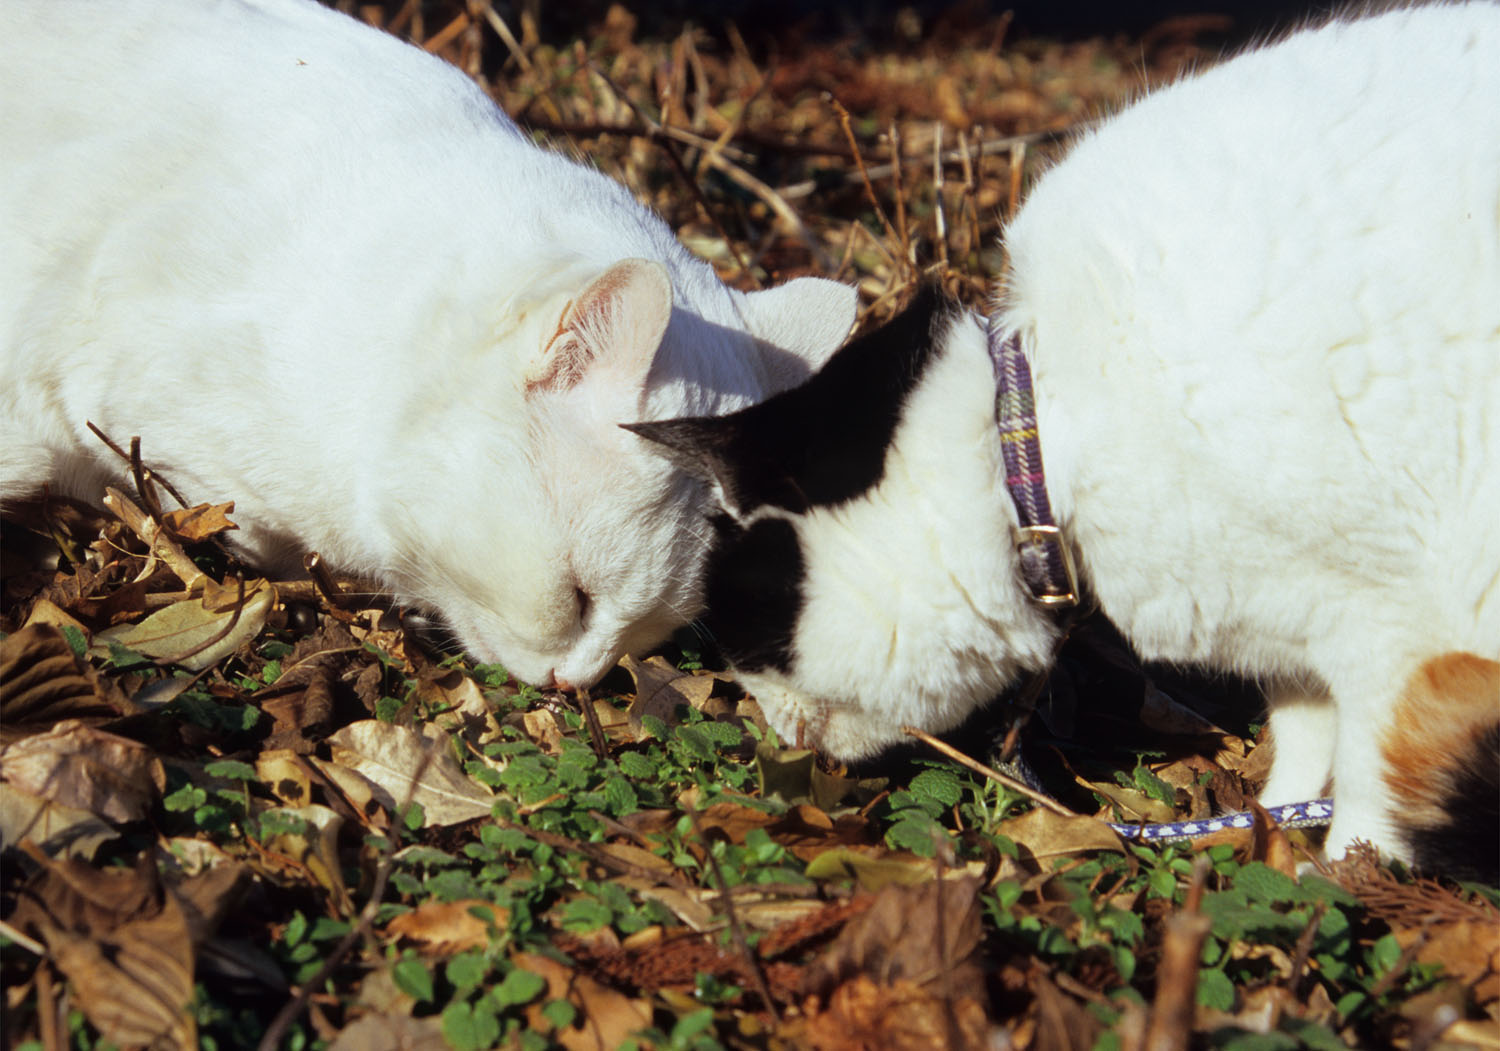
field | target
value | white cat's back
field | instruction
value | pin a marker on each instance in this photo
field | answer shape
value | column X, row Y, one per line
column 1286, row 271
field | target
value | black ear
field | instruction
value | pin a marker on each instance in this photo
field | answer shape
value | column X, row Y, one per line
column 699, row 445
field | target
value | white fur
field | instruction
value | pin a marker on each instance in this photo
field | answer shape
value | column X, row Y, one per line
column 315, row 270
column 1263, row 311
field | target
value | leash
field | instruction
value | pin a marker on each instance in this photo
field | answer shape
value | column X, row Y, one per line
column 1293, row 815
column 1048, row 570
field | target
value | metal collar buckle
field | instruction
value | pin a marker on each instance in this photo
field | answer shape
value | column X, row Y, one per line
column 1046, row 543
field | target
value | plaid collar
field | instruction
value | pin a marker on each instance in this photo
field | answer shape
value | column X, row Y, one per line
column 1046, row 561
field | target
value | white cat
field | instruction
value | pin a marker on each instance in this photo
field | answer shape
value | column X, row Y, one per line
column 319, row 273
column 1262, row 309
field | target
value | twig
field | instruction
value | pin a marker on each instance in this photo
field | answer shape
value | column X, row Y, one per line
column 1304, row 947
column 994, row 775
column 1017, row 164
column 846, row 123
column 32, row 946
column 295, row 1006
column 132, row 460
column 773, row 200
column 898, row 189
column 736, row 930
column 506, row 36
column 591, row 720
column 157, row 543
column 1171, row 1025
column 323, row 580
column 940, row 221
column 960, row 156
column 669, row 147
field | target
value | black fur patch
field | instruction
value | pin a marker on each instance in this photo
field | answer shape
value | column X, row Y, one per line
column 824, row 442
column 1466, row 845
column 755, row 593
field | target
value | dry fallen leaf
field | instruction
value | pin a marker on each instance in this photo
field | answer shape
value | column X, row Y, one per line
column 42, row 682
column 1044, row 834
column 58, row 831
column 194, row 524
column 391, row 1032
column 403, row 765
column 86, row 769
column 124, row 945
column 605, row 1019
column 449, row 927
column 314, row 851
column 660, row 688
column 174, row 634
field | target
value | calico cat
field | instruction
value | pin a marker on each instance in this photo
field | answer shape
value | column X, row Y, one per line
column 1262, row 311
column 319, row 273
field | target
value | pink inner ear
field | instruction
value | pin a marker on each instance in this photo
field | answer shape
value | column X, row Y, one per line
column 617, row 321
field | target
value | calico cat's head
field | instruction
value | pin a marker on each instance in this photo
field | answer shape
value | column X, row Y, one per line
column 547, row 538
column 864, row 576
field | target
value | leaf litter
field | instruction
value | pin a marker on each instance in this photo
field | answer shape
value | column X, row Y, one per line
column 240, row 812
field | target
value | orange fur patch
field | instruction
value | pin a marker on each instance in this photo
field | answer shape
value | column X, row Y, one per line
column 1446, row 705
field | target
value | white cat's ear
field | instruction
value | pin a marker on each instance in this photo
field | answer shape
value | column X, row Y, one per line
column 614, row 325
column 798, row 326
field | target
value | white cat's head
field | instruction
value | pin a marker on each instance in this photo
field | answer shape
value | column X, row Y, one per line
column 863, row 576
column 550, row 540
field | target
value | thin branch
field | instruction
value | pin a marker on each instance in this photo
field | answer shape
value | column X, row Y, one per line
column 1014, row 785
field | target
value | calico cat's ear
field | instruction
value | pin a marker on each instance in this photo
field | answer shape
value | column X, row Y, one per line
column 615, row 325
column 699, row 446
column 798, row 326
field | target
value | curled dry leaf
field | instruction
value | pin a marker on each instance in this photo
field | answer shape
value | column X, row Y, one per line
column 391, row 1032
column 927, row 934
column 1043, row 834
column 660, row 688
column 450, row 927
column 862, row 1015
column 402, row 764
column 125, row 944
column 57, row 831
column 605, row 1018
column 86, row 769
column 192, row 525
column 314, row 851
column 42, row 682
column 461, row 703
column 174, row 634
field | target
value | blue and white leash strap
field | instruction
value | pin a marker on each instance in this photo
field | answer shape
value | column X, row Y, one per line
column 1293, row 815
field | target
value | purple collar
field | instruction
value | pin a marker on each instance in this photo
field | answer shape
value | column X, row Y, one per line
column 1046, row 562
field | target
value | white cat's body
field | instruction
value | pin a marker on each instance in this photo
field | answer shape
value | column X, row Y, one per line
column 1263, row 312
column 321, row 275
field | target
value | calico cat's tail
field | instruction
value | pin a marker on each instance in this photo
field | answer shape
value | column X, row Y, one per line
column 1443, row 765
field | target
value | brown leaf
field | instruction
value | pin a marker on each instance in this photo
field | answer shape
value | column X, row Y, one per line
column 42, row 682
column 125, row 945
column 1044, row 834
column 465, row 709
column 174, row 634
column 391, row 1032
column 926, row 934
column 660, row 688
column 450, row 927
column 57, row 831
column 605, row 1018
column 87, row 769
column 862, row 1015
column 403, row 765
column 193, row 524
